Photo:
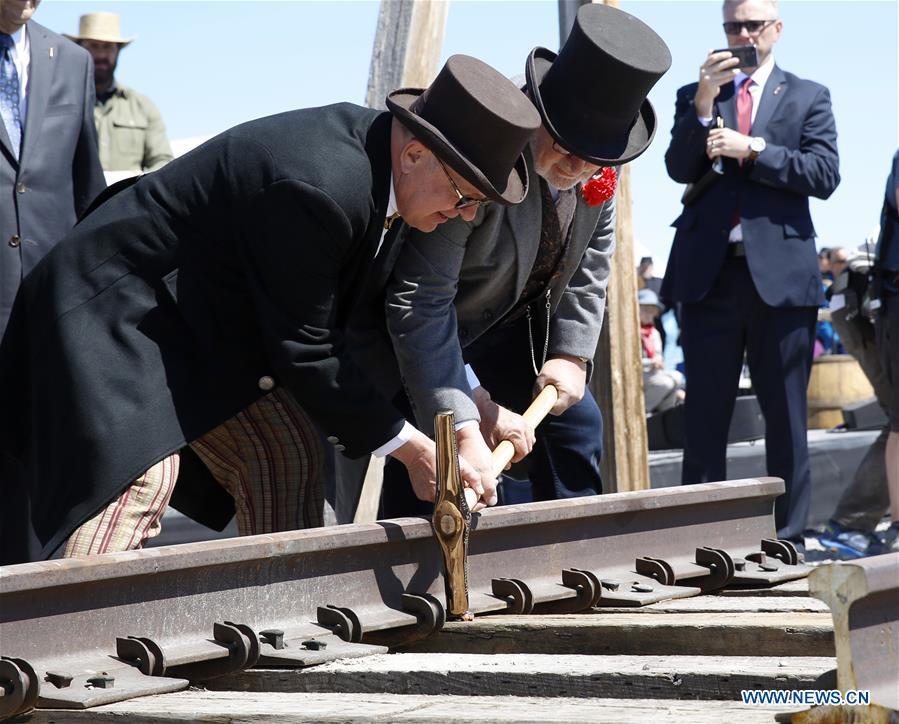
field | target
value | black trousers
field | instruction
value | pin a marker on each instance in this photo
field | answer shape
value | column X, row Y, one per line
column 778, row 342
column 564, row 462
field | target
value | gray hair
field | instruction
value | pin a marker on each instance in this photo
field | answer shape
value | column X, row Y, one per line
column 773, row 4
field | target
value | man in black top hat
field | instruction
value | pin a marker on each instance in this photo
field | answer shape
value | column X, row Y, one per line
column 183, row 298
column 519, row 293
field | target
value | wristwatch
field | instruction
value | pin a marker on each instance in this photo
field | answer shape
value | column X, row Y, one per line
column 756, row 146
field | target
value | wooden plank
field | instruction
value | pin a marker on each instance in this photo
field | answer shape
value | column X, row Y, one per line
column 280, row 708
column 733, row 604
column 541, row 675
column 769, row 634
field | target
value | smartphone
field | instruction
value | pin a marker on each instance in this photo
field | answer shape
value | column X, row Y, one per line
column 748, row 55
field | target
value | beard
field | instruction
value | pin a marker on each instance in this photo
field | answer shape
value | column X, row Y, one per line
column 104, row 74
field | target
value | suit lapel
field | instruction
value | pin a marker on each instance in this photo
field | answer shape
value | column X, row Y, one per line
column 7, row 146
column 40, row 76
column 525, row 220
column 775, row 89
column 726, row 105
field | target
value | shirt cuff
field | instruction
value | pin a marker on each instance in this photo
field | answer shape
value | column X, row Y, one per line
column 403, row 436
column 472, row 378
column 704, row 121
column 466, row 423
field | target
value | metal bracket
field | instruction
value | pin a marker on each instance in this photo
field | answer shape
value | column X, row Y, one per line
column 236, row 647
column 20, row 686
column 342, row 621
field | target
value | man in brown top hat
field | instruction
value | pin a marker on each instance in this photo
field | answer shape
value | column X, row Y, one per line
column 226, row 278
column 130, row 129
column 519, row 293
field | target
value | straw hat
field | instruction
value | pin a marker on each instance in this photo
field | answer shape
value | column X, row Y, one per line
column 104, row 27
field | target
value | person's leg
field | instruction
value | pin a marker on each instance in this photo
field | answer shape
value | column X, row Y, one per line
column 131, row 519
column 564, row 462
column 888, row 344
column 268, row 457
column 866, row 499
column 713, row 337
column 658, row 391
column 779, row 352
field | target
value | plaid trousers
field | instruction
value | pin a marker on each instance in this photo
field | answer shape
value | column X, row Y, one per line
column 268, row 457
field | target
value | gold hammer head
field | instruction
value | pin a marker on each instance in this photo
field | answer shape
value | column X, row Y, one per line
column 452, row 516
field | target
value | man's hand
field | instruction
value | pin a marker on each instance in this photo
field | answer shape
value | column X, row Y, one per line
column 568, row 375
column 727, row 142
column 718, row 69
column 498, row 424
column 474, row 449
column 419, row 455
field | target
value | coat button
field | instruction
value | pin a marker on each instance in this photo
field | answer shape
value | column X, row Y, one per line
column 339, row 447
column 20, row 187
column 266, row 383
column 333, row 440
column 14, row 240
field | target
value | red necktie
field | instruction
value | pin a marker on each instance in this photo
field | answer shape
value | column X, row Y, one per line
column 744, row 107
column 744, row 123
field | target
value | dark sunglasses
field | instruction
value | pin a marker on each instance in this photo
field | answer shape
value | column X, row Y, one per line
column 464, row 201
column 752, row 26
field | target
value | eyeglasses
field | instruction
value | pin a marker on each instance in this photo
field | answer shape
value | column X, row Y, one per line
column 752, row 26
column 561, row 151
column 464, row 202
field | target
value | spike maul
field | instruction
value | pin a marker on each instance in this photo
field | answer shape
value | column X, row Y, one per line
column 452, row 517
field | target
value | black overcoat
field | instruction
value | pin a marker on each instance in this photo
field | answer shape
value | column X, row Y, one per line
column 159, row 316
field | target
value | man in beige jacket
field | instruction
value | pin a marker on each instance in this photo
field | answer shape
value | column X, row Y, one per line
column 130, row 130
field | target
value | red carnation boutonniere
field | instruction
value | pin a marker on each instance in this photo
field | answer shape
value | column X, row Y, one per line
column 601, row 187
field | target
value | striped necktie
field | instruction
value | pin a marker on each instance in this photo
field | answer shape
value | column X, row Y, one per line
column 9, row 94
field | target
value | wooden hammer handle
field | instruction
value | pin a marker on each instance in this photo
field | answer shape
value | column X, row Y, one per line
column 538, row 409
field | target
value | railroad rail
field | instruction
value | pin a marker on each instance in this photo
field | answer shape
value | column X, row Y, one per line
column 863, row 597
column 78, row 633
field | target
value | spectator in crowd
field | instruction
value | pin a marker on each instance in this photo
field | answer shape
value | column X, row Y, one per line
column 130, row 129
column 827, row 340
column 850, row 532
column 743, row 261
column 887, row 330
column 49, row 169
column 520, row 296
column 824, row 264
column 646, row 279
column 223, row 276
column 662, row 389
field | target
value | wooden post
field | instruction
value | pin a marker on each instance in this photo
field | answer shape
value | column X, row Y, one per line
column 617, row 379
column 406, row 52
column 407, row 46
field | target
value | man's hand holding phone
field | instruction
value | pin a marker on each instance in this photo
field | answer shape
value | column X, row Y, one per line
column 720, row 67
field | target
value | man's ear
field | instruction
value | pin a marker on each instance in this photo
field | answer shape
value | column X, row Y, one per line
column 413, row 153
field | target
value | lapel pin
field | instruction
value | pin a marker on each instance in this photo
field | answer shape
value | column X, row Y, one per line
column 777, row 90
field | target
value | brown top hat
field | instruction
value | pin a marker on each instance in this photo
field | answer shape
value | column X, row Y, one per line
column 476, row 121
column 104, row 27
column 592, row 95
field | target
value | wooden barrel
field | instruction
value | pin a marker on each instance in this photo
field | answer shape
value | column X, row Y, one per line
column 836, row 380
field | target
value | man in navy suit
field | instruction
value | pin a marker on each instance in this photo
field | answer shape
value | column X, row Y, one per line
column 49, row 165
column 743, row 263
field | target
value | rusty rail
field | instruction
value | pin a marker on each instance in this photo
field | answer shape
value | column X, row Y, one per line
column 863, row 597
column 82, row 632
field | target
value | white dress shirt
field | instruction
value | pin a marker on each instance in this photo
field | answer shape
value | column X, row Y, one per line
column 759, row 77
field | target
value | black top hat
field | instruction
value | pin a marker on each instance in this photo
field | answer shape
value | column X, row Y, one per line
column 476, row 121
column 592, row 95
